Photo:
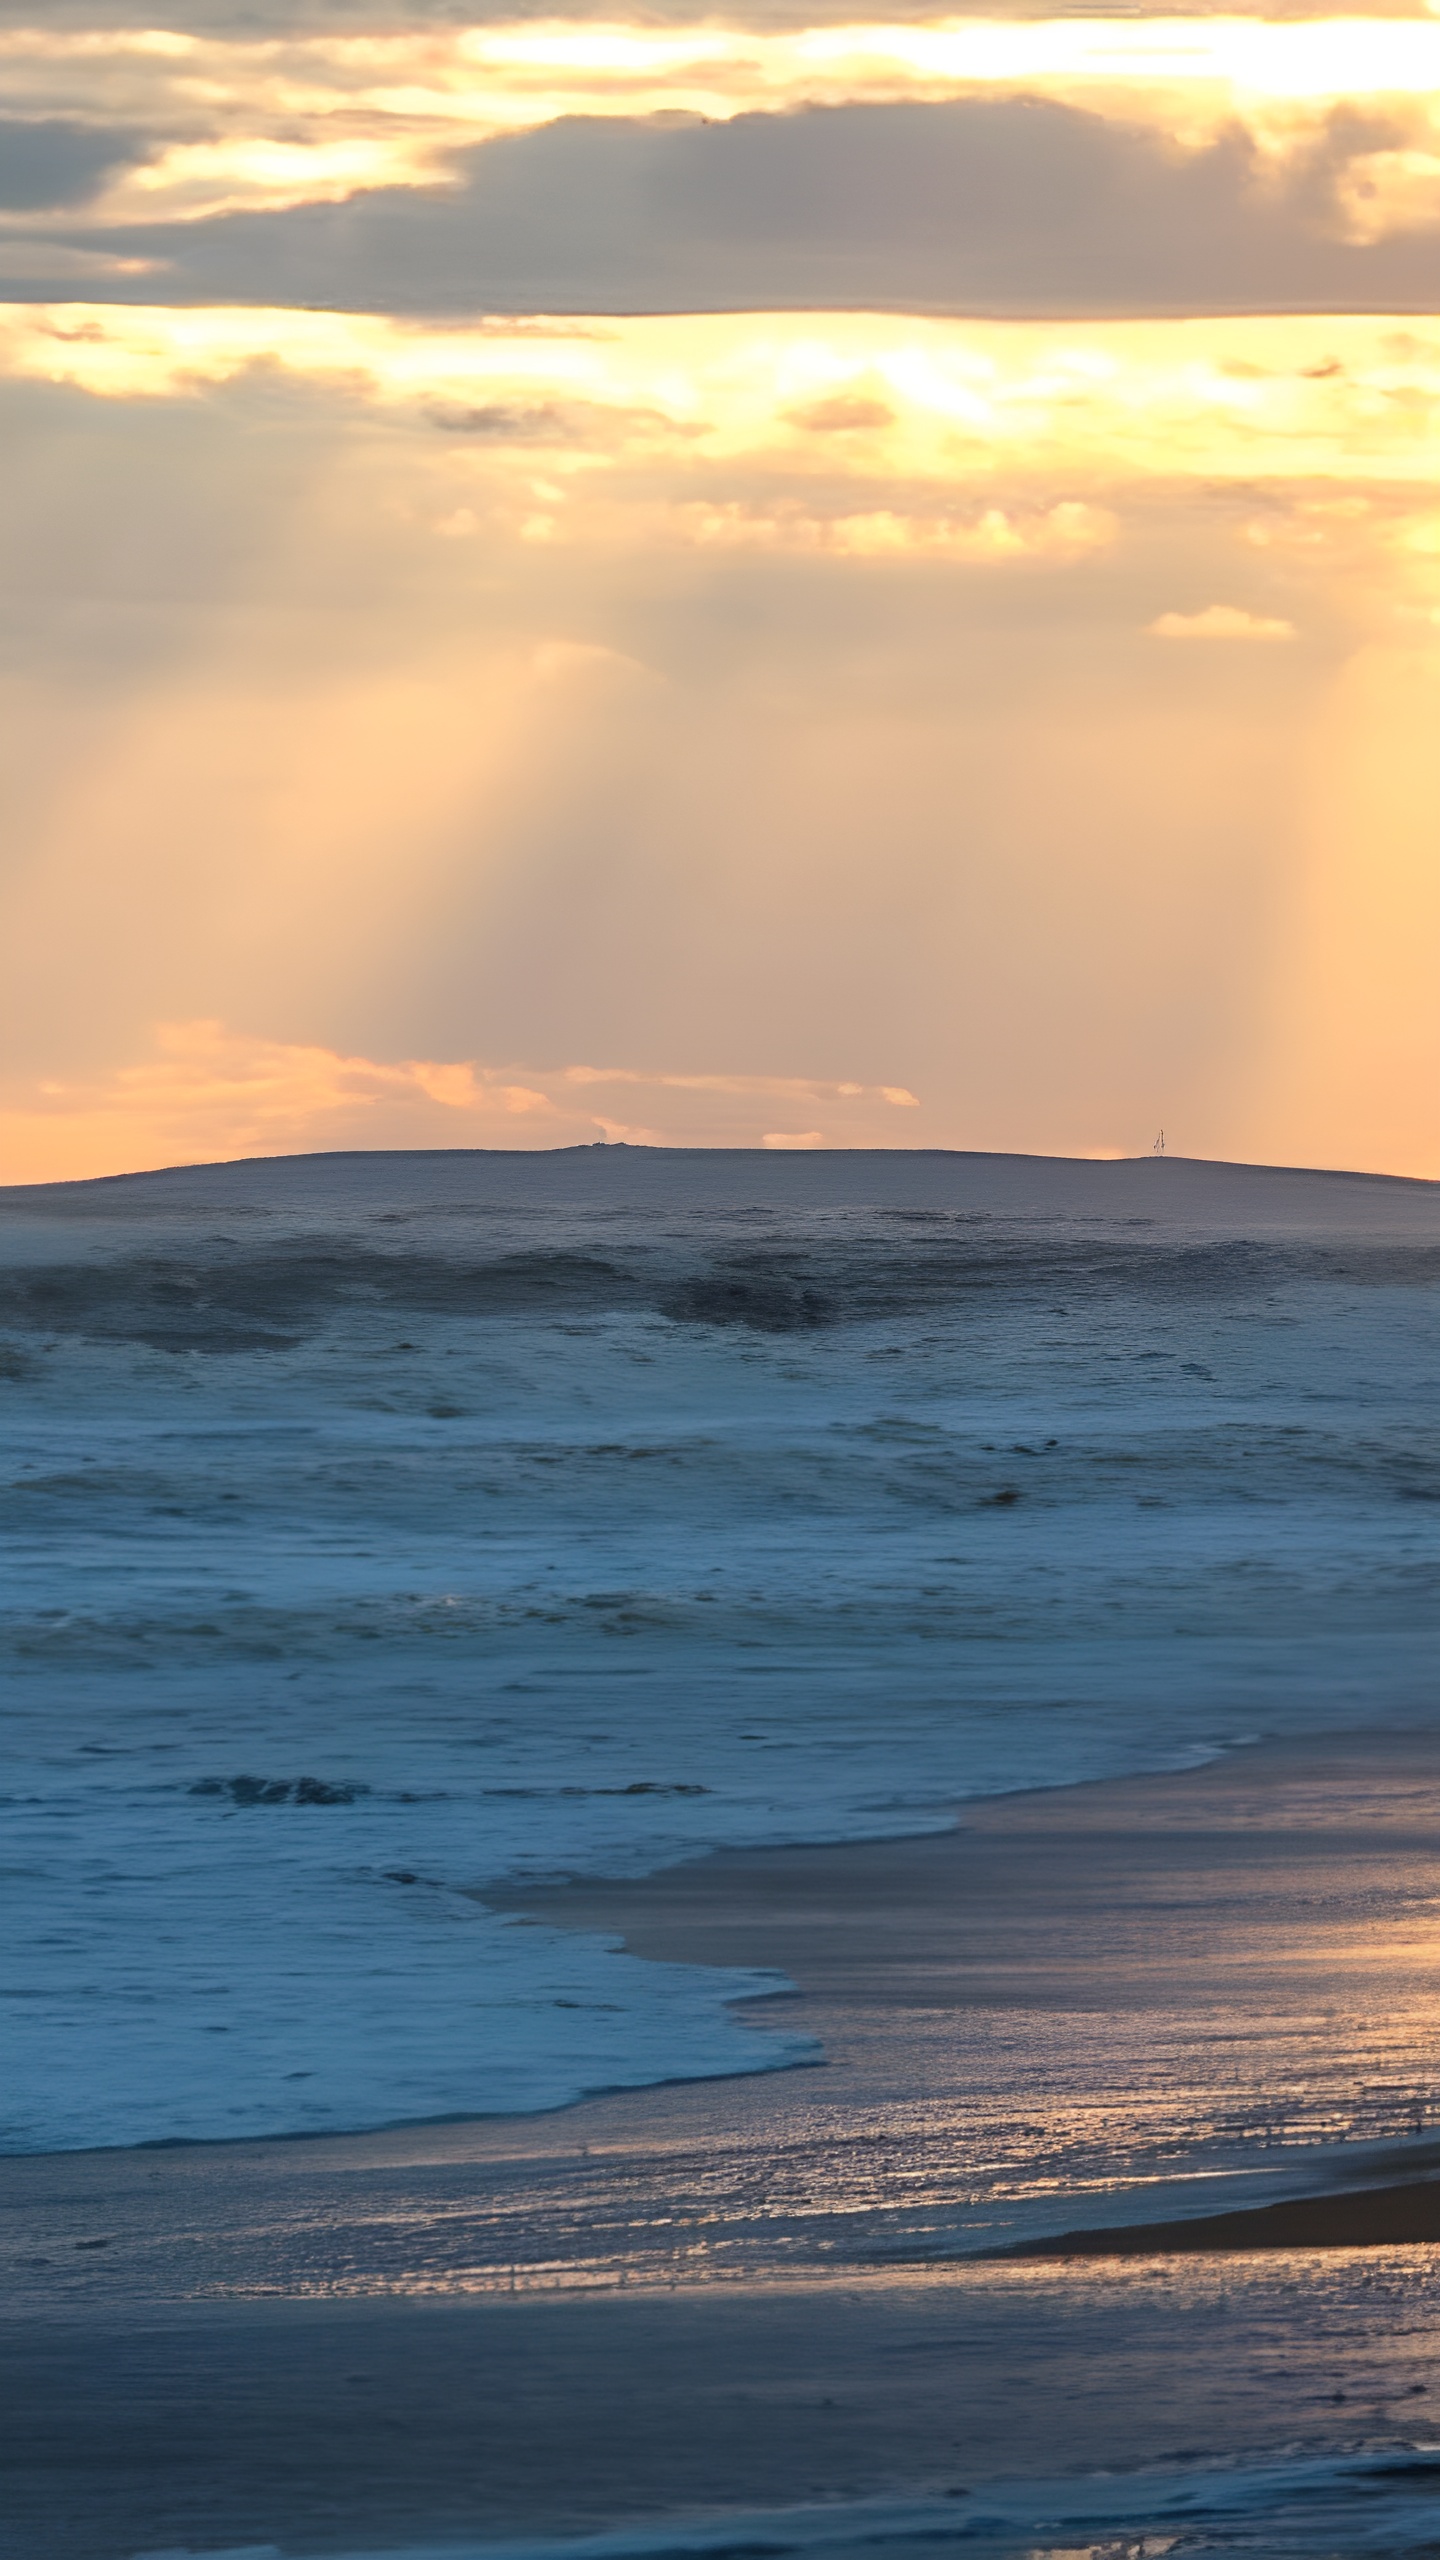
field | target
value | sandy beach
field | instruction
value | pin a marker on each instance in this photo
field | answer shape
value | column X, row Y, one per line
column 1207, row 1993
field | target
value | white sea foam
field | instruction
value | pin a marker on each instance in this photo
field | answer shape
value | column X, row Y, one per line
column 381, row 1528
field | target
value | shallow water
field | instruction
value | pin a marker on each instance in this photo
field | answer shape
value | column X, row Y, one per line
column 380, row 1528
column 1347, row 2504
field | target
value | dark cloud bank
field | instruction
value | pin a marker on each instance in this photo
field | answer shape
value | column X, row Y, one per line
column 52, row 162
column 985, row 205
column 242, row 19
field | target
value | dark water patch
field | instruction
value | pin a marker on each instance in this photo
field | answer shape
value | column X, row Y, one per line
column 252, row 1791
column 239, row 1299
column 637, row 1787
column 766, row 1296
column 223, row 1294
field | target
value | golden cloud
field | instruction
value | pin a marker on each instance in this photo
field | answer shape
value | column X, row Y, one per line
column 1297, row 399
column 308, row 117
column 207, row 1094
column 1219, row 622
column 1066, row 532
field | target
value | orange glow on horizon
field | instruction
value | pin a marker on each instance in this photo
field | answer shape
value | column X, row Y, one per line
column 210, row 1095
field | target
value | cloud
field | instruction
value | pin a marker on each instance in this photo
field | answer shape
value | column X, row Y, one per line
column 984, row 204
column 1220, row 622
column 987, row 537
column 237, row 21
column 743, row 1087
column 1025, row 164
column 847, row 413
column 517, row 422
column 193, row 182
column 51, row 162
column 1007, row 440
column 320, row 88
column 208, row 1094
column 25, row 259
column 1383, row 191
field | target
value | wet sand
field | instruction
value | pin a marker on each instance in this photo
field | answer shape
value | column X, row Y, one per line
column 1406, row 2213
column 742, row 2293
column 367, row 2426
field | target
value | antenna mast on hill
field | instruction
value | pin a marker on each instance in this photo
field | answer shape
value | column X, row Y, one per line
column 1159, row 1147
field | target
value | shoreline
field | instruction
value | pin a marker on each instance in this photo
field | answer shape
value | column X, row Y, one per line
column 1052, row 2020
column 798, row 1909
column 1156, row 1893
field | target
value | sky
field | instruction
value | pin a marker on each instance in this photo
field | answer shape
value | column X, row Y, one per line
column 775, row 578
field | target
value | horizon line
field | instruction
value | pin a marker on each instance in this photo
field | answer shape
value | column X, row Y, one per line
column 625, row 1146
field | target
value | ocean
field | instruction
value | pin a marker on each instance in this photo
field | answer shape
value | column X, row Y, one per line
column 1293, row 2509
column 385, row 1528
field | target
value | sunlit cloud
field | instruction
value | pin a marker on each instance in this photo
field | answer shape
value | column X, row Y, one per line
column 1063, row 532
column 195, row 181
column 1300, row 398
column 1380, row 192
column 1220, row 622
column 209, row 1094
column 309, row 117
column 766, row 1088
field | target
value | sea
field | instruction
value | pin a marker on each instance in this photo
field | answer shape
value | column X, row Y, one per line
column 385, row 1528
column 1295, row 2509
